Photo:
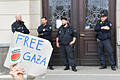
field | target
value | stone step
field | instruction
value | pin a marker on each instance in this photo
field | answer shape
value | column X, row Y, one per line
column 83, row 73
column 9, row 77
column 69, row 76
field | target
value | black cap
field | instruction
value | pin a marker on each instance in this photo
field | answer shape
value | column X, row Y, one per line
column 104, row 15
column 64, row 18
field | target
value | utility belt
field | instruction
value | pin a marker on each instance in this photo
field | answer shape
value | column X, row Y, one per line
column 41, row 34
column 64, row 43
column 98, row 40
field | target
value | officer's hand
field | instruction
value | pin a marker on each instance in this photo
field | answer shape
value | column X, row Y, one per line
column 57, row 44
column 107, row 28
column 71, row 43
column 103, row 27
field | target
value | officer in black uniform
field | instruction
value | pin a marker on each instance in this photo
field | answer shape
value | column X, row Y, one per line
column 45, row 31
column 103, row 29
column 65, row 40
column 19, row 25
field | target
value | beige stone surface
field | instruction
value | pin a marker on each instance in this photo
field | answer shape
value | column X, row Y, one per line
column 31, row 11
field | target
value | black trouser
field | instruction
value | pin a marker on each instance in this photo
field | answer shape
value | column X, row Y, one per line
column 108, row 47
column 51, row 58
column 51, row 61
column 66, row 53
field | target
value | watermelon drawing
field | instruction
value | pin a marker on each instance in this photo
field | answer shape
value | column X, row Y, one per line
column 15, row 56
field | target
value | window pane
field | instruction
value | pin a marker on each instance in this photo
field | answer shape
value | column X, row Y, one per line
column 57, row 9
column 93, row 9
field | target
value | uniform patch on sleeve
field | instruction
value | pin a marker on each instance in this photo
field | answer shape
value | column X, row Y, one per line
column 75, row 31
column 59, row 31
column 110, row 24
column 50, row 27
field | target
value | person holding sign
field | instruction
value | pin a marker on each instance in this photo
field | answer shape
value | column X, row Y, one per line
column 65, row 40
column 45, row 31
column 30, row 52
column 19, row 26
column 15, row 58
column 16, row 72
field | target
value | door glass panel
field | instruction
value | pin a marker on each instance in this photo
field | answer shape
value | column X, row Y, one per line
column 57, row 9
column 93, row 10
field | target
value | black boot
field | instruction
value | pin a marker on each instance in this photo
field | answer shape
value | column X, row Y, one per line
column 113, row 68
column 74, row 69
column 67, row 68
column 103, row 67
column 51, row 68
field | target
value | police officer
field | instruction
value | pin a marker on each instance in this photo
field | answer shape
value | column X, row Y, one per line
column 45, row 31
column 103, row 29
column 65, row 40
column 19, row 26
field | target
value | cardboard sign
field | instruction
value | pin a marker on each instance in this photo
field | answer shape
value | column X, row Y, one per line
column 30, row 52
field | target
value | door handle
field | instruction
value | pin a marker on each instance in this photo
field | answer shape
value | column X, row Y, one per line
column 82, row 35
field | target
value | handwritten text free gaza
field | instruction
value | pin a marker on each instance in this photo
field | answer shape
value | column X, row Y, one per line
column 30, row 43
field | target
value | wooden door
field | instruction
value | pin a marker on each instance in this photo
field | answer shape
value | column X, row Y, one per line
column 89, row 13
column 82, row 14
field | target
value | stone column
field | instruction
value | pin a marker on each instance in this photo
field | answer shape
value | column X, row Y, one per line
column 118, row 31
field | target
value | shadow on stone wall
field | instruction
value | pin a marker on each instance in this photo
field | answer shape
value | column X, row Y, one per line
column 3, row 55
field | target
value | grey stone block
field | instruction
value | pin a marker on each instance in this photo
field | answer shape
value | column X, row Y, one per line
column 3, row 54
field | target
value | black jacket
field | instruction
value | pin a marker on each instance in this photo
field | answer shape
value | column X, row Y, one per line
column 101, row 33
column 65, row 35
column 47, row 34
column 19, row 27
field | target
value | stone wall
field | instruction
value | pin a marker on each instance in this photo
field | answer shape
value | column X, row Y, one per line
column 3, row 54
column 31, row 11
column 118, row 30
